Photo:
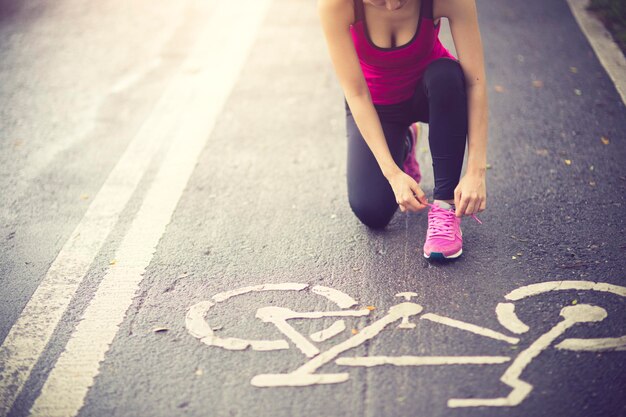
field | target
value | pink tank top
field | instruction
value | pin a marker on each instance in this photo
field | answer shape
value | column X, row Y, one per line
column 392, row 73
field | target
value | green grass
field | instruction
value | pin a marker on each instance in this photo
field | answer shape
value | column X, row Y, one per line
column 613, row 14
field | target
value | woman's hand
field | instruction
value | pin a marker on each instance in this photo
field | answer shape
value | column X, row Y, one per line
column 470, row 196
column 409, row 195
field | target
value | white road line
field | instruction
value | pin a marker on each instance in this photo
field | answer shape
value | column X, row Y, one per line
column 304, row 375
column 278, row 317
column 131, row 78
column 572, row 315
column 329, row 332
column 369, row 361
column 31, row 332
column 407, row 295
column 507, row 318
column 198, row 327
column 336, row 296
column 593, row 345
column 396, row 312
column 609, row 54
column 210, row 74
column 482, row 331
column 544, row 287
column 285, row 286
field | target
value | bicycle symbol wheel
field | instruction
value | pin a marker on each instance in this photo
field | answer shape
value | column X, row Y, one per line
column 197, row 325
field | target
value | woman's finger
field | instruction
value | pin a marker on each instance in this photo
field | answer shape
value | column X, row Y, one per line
column 457, row 197
column 419, row 195
column 461, row 209
column 471, row 205
column 411, row 203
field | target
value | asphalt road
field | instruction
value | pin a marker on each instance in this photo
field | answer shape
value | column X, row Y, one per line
column 260, row 111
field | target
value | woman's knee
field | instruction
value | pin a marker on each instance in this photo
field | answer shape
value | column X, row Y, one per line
column 444, row 79
column 371, row 213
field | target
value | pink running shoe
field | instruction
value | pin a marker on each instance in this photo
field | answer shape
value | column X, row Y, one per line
column 444, row 239
column 410, row 166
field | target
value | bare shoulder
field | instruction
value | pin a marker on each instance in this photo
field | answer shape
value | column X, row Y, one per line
column 338, row 11
column 453, row 8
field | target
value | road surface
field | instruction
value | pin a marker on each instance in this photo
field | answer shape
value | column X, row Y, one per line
column 155, row 154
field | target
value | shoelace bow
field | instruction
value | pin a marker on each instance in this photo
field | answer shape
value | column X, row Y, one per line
column 442, row 221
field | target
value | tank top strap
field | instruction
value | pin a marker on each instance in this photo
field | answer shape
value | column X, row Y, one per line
column 359, row 10
column 427, row 9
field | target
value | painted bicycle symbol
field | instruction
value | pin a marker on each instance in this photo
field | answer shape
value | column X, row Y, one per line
column 403, row 313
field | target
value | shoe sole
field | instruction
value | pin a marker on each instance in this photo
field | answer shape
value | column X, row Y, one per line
column 441, row 256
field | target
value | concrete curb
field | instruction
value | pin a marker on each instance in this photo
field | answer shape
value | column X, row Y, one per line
column 609, row 54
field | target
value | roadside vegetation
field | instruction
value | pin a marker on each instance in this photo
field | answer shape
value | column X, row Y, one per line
column 613, row 14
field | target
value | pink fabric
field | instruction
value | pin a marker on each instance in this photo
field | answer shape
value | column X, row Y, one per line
column 411, row 166
column 392, row 74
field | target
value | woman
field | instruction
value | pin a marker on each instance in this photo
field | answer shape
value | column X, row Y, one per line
column 394, row 72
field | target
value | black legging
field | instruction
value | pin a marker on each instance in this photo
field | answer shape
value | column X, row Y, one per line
column 439, row 100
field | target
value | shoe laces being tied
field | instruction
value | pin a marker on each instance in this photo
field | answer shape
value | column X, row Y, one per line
column 441, row 222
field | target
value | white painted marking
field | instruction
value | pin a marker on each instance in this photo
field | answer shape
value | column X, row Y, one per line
column 195, row 322
column 233, row 343
column 289, row 314
column 198, row 327
column 278, row 317
column 594, row 345
column 338, row 297
column 609, row 54
column 31, row 332
column 289, row 380
column 304, row 375
column 407, row 295
column 285, row 286
column 582, row 313
column 216, row 60
column 544, row 287
column 369, row 361
column 507, row 318
column 329, row 332
column 135, row 76
column 406, row 324
column 482, row 331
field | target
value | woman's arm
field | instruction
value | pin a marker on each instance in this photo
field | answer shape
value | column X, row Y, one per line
column 336, row 16
column 470, row 194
